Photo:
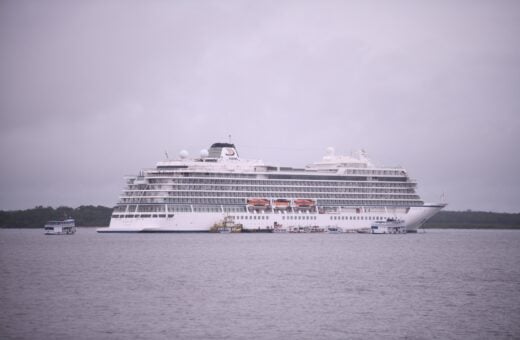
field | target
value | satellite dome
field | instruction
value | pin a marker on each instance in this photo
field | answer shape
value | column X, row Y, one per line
column 204, row 153
column 330, row 151
column 184, row 154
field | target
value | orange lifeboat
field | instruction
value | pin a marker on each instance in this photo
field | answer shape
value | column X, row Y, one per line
column 304, row 203
column 282, row 203
column 258, row 202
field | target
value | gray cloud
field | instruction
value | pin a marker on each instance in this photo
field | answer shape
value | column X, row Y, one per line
column 91, row 91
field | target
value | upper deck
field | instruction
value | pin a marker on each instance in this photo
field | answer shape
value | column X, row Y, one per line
column 224, row 159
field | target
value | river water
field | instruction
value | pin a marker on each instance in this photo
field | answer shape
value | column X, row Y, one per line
column 442, row 284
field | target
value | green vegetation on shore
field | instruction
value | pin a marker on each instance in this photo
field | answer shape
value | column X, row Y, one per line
column 89, row 215
column 85, row 216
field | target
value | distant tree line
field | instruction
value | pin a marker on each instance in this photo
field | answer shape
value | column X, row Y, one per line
column 89, row 215
column 85, row 216
column 474, row 219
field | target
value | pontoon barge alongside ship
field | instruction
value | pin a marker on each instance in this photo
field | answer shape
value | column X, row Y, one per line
column 390, row 226
column 191, row 195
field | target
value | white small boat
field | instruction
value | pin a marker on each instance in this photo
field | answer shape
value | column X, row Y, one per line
column 364, row 231
column 390, row 226
column 65, row 227
column 334, row 230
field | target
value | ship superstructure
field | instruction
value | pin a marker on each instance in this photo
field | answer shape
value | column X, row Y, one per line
column 193, row 194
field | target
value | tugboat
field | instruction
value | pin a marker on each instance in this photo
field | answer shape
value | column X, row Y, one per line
column 65, row 227
column 227, row 226
column 278, row 228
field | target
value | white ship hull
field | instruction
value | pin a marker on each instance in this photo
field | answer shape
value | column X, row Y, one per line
column 414, row 218
column 193, row 195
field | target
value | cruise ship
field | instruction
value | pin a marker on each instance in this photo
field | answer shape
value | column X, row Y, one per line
column 347, row 193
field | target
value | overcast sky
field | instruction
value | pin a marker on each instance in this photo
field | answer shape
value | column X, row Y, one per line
column 91, row 91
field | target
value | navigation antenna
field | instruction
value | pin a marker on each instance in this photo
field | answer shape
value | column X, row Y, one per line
column 229, row 136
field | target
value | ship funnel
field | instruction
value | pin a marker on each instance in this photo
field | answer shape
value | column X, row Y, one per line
column 223, row 151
